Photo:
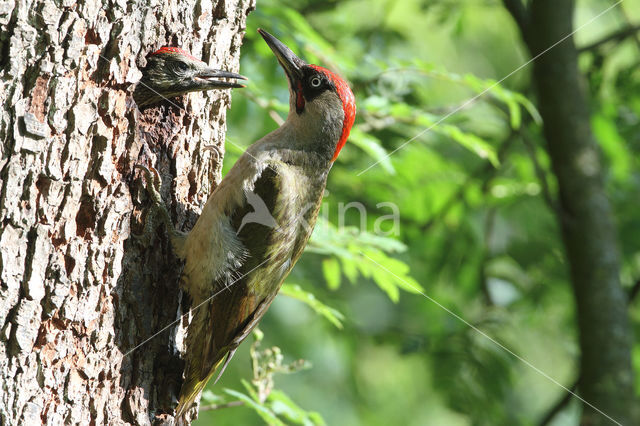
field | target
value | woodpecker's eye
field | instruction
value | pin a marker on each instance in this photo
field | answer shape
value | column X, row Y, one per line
column 181, row 66
column 315, row 82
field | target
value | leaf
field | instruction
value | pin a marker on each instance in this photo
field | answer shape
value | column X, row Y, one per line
column 529, row 106
column 375, row 104
column 281, row 404
column 391, row 274
column 373, row 148
column 349, row 269
column 331, row 271
column 252, row 392
column 389, row 245
column 512, row 99
column 515, row 114
column 348, row 245
column 296, row 292
column 470, row 141
column 613, row 145
column 267, row 415
column 381, row 277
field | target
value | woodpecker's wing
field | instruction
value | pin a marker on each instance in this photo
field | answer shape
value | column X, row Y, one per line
column 219, row 326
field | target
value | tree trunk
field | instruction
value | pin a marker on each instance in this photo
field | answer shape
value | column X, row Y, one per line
column 78, row 292
column 586, row 218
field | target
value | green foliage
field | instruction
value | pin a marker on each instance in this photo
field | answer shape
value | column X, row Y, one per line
column 267, row 415
column 463, row 158
column 296, row 292
column 359, row 253
column 259, row 395
column 285, row 407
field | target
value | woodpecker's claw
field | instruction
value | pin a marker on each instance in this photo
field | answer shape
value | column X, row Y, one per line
column 155, row 180
column 153, row 187
column 214, row 150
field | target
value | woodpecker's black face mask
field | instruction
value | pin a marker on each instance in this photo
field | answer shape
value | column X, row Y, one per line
column 314, row 83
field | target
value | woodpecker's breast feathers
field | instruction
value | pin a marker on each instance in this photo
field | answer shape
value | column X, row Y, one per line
column 255, row 223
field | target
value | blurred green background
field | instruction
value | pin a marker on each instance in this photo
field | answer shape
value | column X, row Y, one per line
column 475, row 229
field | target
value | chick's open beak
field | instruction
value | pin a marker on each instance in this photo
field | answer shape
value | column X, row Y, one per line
column 217, row 79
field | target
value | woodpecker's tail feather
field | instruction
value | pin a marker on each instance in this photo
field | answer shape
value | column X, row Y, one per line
column 191, row 389
column 186, row 401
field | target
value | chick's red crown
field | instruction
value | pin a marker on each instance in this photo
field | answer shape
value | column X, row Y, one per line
column 175, row 51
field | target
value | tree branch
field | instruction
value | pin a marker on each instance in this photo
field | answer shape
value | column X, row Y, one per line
column 559, row 406
column 615, row 36
column 587, row 220
column 562, row 402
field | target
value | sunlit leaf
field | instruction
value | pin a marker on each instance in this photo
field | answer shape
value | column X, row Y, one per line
column 529, row 106
column 613, row 145
column 281, row 404
column 394, row 271
column 267, row 415
column 296, row 292
column 331, row 270
column 349, row 269
column 470, row 141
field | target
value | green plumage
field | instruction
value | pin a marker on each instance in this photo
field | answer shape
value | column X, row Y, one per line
column 222, row 323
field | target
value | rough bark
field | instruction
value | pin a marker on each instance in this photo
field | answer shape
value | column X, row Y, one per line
column 77, row 291
column 586, row 216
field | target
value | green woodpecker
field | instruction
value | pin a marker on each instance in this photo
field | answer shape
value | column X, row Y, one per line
column 171, row 72
column 257, row 222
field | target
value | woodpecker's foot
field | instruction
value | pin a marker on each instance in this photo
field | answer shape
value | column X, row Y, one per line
column 214, row 150
column 159, row 213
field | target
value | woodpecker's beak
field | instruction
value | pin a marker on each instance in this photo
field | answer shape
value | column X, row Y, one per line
column 210, row 78
column 288, row 60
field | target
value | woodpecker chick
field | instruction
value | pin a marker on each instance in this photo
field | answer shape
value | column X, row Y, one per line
column 257, row 222
column 172, row 72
